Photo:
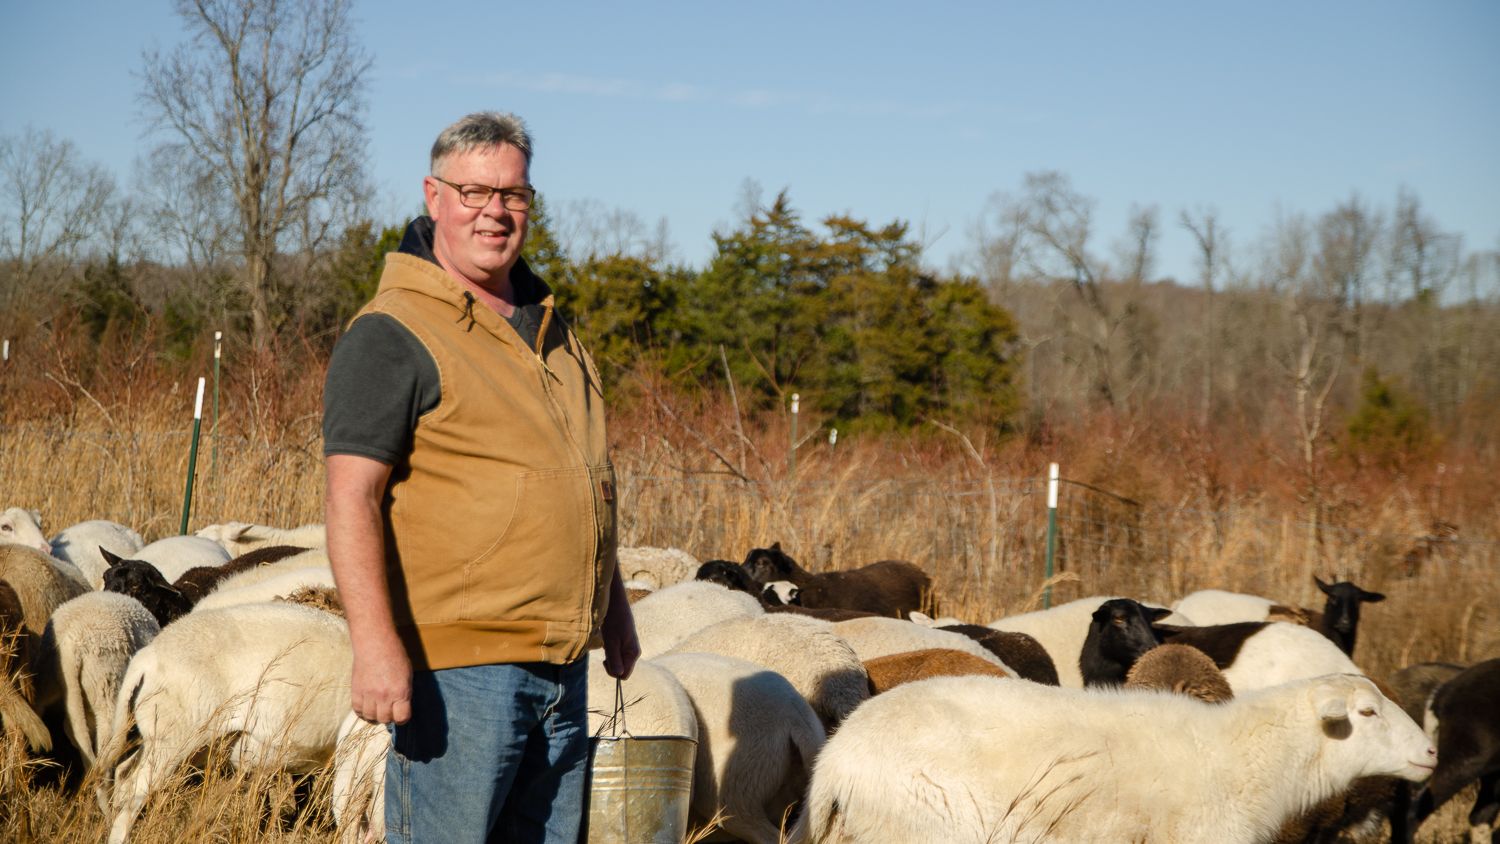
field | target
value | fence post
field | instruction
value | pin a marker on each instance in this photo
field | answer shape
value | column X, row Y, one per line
column 213, row 464
column 6, row 356
column 187, row 495
column 1051, row 532
column 792, row 461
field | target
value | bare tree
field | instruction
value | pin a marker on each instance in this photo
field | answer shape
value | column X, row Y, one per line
column 1207, row 233
column 1346, row 245
column 50, row 202
column 266, row 97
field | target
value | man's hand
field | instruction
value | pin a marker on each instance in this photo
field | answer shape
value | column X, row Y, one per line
column 380, row 688
column 621, row 647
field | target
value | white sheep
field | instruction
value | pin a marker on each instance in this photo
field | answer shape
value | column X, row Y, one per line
column 874, row 637
column 264, row 586
column 757, row 739
column 41, row 582
column 359, row 780
column 972, row 759
column 656, row 568
column 1254, row 656
column 174, row 555
column 655, row 703
column 81, row 662
column 275, row 677
column 669, row 615
column 1062, row 629
column 20, row 526
column 1216, row 606
column 79, row 544
column 240, row 537
column 820, row 664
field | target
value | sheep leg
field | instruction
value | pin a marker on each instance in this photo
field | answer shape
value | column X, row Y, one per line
column 1486, row 806
column 18, row 713
column 135, row 777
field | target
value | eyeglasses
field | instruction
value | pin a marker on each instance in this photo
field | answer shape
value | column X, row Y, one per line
column 478, row 196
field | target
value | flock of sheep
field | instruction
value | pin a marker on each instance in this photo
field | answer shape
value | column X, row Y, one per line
column 826, row 707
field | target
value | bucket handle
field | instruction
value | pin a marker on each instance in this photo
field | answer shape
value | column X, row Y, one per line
column 617, row 720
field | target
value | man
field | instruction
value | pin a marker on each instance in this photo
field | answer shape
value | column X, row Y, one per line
column 470, row 509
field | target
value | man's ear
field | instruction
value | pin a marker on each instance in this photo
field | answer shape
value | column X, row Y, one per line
column 430, row 188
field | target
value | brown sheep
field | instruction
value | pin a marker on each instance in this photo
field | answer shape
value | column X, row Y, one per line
column 201, row 580
column 16, row 646
column 1182, row 669
column 1022, row 653
column 891, row 588
column 888, row 672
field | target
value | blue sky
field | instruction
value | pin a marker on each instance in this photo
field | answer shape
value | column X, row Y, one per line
column 882, row 110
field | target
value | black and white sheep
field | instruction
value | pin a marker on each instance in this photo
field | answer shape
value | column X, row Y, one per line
column 1464, row 718
column 1119, row 632
column 890, row 588
column 1061, row 630
column 1338, row 620
column 1023, row 654
column 980, row 759
column 275, row 677
column 142, row 582
column 730, row 575
column 1254, row 655
column 757, row 739
column 174, row 555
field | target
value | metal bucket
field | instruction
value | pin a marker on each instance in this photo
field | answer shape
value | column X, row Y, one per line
column 639, row 788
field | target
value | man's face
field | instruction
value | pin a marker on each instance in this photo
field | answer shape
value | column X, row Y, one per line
column 479, row 244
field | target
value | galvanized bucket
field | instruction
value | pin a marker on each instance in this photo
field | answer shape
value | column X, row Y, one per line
column 639, row 786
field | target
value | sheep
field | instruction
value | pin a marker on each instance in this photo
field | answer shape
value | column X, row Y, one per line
column 1180, row 669
column 820, row 664
column 1021, row 653
column 757, row 739
column 283, row 582
column 888, row 672
column 877, row 636
column 1254, row 655
column 1119, row 632
column 41, row 584
column 667, row 616
column 1217, row 606
column 781, row 593
column 887, row 587
column 1464, row 720
column 656, row 568
column 819, row 613
column 655, row 703
column 1413, row 685
column 80, row 545
column 174, row 555
column 16, row 695
column 24, row 527
column 1061, row 631
column 84, row 651
column 729, row 575
column 141, row 581
column 358, row 796
column 273, row 678
column 199, row 581
column 968, row 759
column 1340, row 618
column 239, row 538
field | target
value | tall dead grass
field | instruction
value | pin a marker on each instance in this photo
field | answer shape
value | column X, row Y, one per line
column 1149, row 509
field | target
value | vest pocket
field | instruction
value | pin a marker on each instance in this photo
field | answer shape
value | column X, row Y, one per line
column 546, row 555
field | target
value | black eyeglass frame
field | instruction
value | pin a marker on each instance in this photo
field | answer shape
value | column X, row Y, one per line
column 527, row 194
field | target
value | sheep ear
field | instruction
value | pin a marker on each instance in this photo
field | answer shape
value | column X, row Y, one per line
column 109, row 557
column 1333, row 708
column 1321, row 585
column 36, row 516
column 775, row 546
column 1371, row 597
column 1158, row 613
column 919, row 617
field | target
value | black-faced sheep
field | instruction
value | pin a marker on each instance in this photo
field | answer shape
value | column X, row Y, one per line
column 888, row 672
column 141, row 580
column 1464, row 716
column 1021, row 653
column 729, row 575
column 1060, row 630
column 1340, row 619
column 890, row 588
column 981, row 759
column 1119, row 632
column 1182, row 670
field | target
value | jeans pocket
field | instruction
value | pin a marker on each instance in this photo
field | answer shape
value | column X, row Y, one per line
column 397, row 790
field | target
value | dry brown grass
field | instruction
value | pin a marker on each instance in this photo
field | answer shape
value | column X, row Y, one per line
column 1152, row 511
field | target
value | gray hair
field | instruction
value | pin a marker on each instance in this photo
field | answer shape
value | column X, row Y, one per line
column 482, row 129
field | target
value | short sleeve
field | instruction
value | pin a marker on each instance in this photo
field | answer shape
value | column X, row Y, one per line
column 381, row 379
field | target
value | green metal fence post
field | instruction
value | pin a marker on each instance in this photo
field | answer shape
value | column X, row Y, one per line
column 796, row 400
column 187, row 495
column 1051, row 531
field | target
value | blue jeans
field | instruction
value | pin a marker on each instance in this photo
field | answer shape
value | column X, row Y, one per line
column 492, row 753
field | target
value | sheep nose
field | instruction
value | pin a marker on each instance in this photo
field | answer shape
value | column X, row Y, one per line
column 1432, row 753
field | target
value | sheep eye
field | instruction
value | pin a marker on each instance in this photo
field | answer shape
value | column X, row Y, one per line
column 1368, row 712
